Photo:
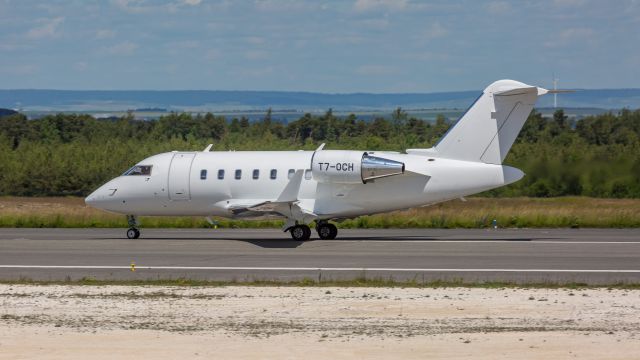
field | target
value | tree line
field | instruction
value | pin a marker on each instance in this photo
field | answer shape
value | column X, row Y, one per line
column 72, row 154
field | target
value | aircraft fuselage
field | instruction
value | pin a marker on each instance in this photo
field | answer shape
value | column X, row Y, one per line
column 207, row 184
column 317, row 186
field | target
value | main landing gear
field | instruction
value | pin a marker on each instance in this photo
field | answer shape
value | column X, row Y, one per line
column 133, row 232
column 326, row 231
column 300, row 232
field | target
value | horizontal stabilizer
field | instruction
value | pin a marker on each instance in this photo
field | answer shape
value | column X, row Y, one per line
column 560, row 91
column 516, row 91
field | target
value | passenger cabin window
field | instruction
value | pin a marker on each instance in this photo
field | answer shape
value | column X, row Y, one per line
column 256, row 174
column 203, row 174
column 274, row 174
column 307, row 174
column 290, row 174
column 238, row 174
column 221, row 174
column 139, row 170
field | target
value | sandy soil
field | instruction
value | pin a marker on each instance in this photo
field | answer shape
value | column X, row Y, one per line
column 56, row 322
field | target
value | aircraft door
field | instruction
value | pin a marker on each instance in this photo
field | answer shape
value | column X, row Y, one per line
column 179, row 176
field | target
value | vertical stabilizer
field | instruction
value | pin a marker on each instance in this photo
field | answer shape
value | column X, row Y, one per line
column 486, row 132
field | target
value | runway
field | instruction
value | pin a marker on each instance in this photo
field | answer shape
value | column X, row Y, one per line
column 592, row 256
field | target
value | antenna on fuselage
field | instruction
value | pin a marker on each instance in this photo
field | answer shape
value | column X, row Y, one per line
column 207, row 148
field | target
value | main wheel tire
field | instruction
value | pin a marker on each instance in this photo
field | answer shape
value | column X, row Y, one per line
column 327, row 231
column 133, row 233
column 300, row 233
column 307, row 232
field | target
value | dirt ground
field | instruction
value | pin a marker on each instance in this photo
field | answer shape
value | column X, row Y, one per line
column 127, row 322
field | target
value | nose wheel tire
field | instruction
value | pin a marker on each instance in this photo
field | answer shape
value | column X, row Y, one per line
column 133, row 233
column 327, row 231
column 300, row 233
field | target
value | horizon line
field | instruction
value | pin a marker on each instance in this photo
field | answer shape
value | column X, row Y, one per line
column 287, row 91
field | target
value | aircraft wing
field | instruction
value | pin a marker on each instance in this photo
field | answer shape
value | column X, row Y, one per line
column 238, row 207
column 286, row 204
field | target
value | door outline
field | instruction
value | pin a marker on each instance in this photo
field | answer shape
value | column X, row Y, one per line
column 171, row 193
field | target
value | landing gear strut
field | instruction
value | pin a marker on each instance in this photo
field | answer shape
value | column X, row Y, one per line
column 300, row 232
column 326, row 231
column 133, row 232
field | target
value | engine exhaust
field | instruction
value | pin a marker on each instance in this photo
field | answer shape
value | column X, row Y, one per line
column 374, row 167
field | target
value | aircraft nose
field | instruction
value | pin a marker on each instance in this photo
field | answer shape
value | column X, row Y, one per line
column 102, row 196
column 92, row 199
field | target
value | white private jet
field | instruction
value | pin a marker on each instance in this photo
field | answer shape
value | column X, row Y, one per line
column 323, row 185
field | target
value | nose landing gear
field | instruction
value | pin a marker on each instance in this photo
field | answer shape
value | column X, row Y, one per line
column 133, row 232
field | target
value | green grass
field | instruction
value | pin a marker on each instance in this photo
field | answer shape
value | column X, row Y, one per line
column 309, row 282
column 563, row 212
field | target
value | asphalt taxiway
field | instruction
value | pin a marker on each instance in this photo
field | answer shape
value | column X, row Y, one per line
column 592, row 256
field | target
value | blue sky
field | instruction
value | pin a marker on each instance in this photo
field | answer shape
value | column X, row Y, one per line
column 320, row 46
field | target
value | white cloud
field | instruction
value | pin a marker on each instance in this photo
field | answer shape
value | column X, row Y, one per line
column 256, row 55
column 255, row 40
column 141, row 6
column 212, row 54
column 498, row 7
column 123, row 49
column 81, row 66
column 368, row 5
column 257, row 72
column 427, row 56
column 131, row 6
column 572, row 35
column 345, row 39
column 435, row 30
column 105, row 34
column 284, row 5
column 220, row 26
column 11, row 46
column 376, row 70
column 47, row 29
column 23, row 69
column 181, row 46
column 569, row 3
column 185, row 44
column 379, row 24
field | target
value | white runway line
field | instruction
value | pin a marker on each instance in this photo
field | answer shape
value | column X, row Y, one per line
column 138, row 267
column 517, row 241
column 336, row 242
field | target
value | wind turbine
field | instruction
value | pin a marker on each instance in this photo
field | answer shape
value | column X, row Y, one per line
column 555, row 89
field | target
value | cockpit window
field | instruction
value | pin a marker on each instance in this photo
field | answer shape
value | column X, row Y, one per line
column 139, row 170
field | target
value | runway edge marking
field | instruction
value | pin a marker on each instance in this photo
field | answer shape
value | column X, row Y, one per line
column 138, row 267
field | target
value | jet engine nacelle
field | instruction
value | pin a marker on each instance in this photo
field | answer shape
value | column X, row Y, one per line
column 351, row 167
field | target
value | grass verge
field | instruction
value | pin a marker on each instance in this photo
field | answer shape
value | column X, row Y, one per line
column 309, row 282
column 574, row 212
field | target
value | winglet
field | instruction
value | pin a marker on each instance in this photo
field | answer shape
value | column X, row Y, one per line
column 290, row 192
column 207, row 148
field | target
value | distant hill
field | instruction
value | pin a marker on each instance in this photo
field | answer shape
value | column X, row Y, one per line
column 5, row 112
column 206, row 100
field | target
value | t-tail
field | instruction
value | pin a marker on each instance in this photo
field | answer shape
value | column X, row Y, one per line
column 486, row 132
